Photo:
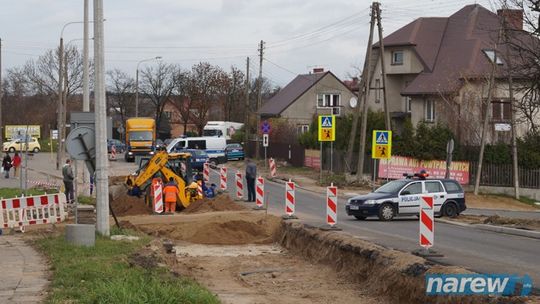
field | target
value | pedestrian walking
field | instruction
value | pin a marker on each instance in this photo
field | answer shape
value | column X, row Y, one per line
column 6, row 165
column 171, row 193
column 251, row 175
column 67, row 173
column 16, row 164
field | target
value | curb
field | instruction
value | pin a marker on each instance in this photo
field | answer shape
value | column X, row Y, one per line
column 282, row 182
column 493, row 228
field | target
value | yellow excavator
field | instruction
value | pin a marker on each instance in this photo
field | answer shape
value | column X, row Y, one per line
column 164, row 166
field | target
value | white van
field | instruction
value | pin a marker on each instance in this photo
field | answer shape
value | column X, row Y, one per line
column 214, row 147
column 222, row 128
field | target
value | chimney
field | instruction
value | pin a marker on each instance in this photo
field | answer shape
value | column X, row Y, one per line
column 513, row 18
column 318, row 70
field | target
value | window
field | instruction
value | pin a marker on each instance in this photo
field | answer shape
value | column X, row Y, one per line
column 301, row 129
column 197, row 144
column 328, row 100
column 491, row 56
column 397, row 57
column 414, row 188
column 452, row 186
column 501, row 110
column 167, row 114
column 430, row 110
column 407, row 104
column 434, row 187
column 407, row 100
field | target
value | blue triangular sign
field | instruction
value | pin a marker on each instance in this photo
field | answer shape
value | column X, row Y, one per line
column 381, row 138
column 327, row 122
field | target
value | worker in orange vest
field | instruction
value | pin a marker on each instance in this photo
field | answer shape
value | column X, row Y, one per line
column 171, row 193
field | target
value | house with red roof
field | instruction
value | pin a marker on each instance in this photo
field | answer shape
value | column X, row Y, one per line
column 308, row 95
column 438, row 71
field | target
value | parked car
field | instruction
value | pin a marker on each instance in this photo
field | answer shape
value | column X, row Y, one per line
column 160, row 145
column 234, row 151
column 20, row 145
column 118, row 145
column 198, row 158
column 402, row 197
column 214, row 147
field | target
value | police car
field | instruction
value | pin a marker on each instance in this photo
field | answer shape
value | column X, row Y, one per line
column 402, row 197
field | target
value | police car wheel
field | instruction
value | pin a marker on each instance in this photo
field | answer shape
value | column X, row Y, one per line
column 359, row 217
column 450, row 210
column 386, row 212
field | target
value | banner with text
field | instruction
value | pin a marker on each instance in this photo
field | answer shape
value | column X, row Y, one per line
column 397, row 165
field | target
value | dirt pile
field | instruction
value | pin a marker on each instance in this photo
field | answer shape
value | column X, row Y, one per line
column 219, row 203
column 224, row 228
column 396, row 274
column 125, row 204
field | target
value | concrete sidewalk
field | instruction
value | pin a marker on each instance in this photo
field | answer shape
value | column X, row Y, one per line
column 24, row 272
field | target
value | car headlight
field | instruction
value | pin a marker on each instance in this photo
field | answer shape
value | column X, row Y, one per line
column 370, row 202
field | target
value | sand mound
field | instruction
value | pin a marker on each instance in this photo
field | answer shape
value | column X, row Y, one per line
column 219, row 203
column 129, row 205
column 224, row 228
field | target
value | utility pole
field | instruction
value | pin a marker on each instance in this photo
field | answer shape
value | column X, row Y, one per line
column 512, row 111
column 102, row 176
column 360, row 95
column 86, row 76
column 367, row 84
column 388, row 122
column 259, row 99
column 246, row 109
column 486, row 117
column 86, row 41
column 1, row 97
column 60, row 147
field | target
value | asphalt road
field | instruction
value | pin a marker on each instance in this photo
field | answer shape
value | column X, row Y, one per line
column 477, row 250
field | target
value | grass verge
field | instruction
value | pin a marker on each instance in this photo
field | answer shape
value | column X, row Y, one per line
column 103, row 274
column 13, row 192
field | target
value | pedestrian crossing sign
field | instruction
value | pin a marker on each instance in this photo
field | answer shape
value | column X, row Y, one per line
column 382, row 144
column 327, row 128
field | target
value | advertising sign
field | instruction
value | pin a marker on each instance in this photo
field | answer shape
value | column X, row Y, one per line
column 18, row 131
column 397, row 165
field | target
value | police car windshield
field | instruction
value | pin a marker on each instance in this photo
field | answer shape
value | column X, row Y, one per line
column 392, row 187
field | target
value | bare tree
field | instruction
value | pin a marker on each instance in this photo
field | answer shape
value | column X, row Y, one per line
column 234, row 99
column 204, row 88
column 120, row 92
column 183, row 100
column 157, row 84
column 41, row 75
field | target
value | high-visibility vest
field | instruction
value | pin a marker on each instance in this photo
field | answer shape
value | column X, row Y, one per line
column 171, row 191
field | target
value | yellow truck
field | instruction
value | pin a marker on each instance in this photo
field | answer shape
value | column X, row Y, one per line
column 140, row 137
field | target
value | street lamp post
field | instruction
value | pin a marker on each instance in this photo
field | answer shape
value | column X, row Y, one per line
column 137, row 83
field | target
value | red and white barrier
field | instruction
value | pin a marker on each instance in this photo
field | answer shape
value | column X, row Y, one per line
column 44, row 183
column 199, row 190
column 158, row 196
column 223, row 179
column 259, row 192
column 239, row 185
column 32, row 210
column 206, row 172
column 272, row 165
column 113, row 152
column 427, row 223
column 289, row 198
column 331, row 205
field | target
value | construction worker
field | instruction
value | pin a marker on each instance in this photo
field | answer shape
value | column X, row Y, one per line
column 171, row 193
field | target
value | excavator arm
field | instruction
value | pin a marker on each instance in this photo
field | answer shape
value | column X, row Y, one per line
column 141, row 179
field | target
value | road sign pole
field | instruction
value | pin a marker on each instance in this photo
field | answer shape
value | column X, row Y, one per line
column 265, row 164
column 374, row 173
column 331, row 157
column 320, row 163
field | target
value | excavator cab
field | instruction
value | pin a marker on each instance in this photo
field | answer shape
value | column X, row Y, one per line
column 165, row 166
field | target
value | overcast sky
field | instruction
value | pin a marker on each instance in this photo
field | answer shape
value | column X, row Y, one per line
column 299, row 34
